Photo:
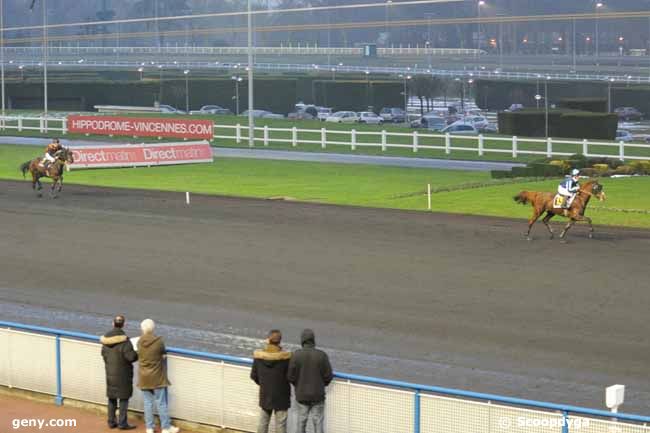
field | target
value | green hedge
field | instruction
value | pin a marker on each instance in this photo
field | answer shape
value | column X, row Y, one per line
column 277, row 95
column 358, row 95
column 594, row 105
column 597, row 126
column 561, row 123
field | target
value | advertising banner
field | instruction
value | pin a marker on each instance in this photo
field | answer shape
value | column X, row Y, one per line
column 141, row 127
column 141, row 155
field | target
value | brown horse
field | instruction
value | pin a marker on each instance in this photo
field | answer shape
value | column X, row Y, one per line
column 543, row 202
column 53, row 171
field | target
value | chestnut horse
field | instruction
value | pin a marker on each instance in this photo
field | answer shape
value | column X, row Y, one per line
column 53, row 171
column 543, row 202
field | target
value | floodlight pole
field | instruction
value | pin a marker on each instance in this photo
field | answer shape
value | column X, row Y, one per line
column 45, row 44
column 251, row 120
column 2, row 55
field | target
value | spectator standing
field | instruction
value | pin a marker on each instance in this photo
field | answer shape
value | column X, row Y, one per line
column 119, row 357
column 269, row 371
column 310, row 372
column 152, row 377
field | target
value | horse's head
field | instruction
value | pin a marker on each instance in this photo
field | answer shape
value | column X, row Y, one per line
column 596, row 189
column 64, row 155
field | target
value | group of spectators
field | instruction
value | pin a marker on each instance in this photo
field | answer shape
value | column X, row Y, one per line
column 308, row 369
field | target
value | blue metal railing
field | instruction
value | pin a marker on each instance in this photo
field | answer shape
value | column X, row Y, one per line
column 565, row 410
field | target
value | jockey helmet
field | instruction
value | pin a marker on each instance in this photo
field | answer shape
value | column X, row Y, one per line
column 575, row 172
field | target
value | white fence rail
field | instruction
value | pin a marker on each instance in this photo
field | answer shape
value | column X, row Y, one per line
column 208, row 389
column 417, row 140
column 480, row 145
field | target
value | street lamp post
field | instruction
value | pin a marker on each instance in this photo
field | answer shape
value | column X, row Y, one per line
column 478, row 25
column 160, row 83
column 573, row 41
column 388, row 3
column 237, row 80
column 406, row 97
column 599, row 5
column 609, row 94
column 186, row 72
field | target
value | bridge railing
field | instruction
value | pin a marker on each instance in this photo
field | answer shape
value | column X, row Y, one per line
column 216, row 390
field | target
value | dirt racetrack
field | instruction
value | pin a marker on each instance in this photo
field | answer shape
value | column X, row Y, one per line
column 455, row 301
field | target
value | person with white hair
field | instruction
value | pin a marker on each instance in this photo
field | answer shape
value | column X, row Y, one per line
column 152, row 377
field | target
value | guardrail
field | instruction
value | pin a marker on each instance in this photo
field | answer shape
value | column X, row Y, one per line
column 182, row 64
column 215, row 389
column 416, row 140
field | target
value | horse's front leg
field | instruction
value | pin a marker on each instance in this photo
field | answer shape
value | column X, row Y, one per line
column 588, row 220
column 566, row 229
column 60, row 183
column 531, row 222
column 53, row 189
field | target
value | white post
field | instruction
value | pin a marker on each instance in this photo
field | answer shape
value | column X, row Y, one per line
column 64, row 126
column 294, row 136
column 187, row 198
column 480, row 145
column 585, row 147
column 621, row 150
column 353, row 137
column 323, row 138
column 20, row 124
column 383, row 140
column 238, row 133
column 549, row 147
column 429, row 196
column 40, row 124
column 514, row 146
column 415, row 141
column 266, row 135
column 447, row 143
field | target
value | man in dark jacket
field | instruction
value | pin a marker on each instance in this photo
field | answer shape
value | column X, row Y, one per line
column 119, row 357
column 310, row 372
column 269, row 371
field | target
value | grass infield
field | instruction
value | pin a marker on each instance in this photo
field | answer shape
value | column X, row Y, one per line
column 362, row 185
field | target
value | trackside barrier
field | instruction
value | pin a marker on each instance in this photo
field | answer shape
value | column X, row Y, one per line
column 479, row 145
column 216, row 389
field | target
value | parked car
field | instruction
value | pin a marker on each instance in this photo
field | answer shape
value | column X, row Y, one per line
column 263, row 114
column 300, row 115
column 168, row 109
column 323, row 113
column 395, row 115
column 515, row 107
column 343, row 117
column 370, row 118
column 491, row 128
column 430, row 122
column 460, row 128
column 212, row 109
column 478, row 122
column 628, row 113
column 623, row 135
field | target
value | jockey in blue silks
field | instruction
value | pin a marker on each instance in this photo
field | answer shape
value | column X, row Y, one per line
column 569, row 187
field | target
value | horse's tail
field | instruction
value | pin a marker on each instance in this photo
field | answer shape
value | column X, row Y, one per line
column 523, row 197
column 24, row 167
